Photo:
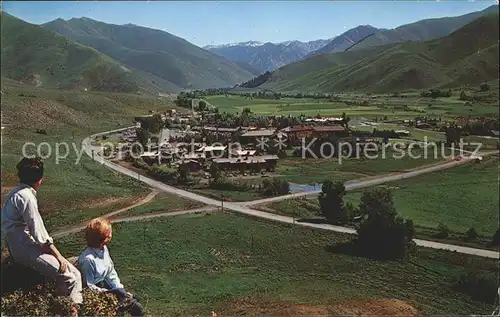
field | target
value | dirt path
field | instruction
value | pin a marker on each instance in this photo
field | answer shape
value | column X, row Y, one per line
column 82, row 225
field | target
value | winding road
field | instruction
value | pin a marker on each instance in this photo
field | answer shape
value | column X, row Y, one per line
column 245, row 207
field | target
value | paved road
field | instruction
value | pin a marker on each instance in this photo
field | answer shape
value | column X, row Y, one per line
column 244, row 208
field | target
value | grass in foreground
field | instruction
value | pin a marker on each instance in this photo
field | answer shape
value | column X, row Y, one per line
column 195, row 264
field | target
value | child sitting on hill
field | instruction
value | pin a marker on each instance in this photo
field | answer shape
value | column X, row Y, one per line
column 97, row 268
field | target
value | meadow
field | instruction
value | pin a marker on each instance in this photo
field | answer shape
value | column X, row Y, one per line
column 194, row 264
column 369, row 106
column 311, row 170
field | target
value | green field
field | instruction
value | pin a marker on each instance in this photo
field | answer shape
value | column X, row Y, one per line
column 376, row 107
column 462, row 197
column 195, row 264
column 73, row 191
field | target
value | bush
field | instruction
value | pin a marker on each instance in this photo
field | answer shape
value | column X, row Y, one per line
column 41, row 131
column 495, row 240
column 42, row 301
column 26, row 293
column 481, row 287
column 275, row 187
column 471, row 234
column 443, row 231
column 484, row 87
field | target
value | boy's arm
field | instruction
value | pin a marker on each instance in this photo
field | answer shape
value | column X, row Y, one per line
column 87, row 269
column 112, row 279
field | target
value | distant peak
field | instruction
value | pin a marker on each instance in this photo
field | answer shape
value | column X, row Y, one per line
column 248, row 43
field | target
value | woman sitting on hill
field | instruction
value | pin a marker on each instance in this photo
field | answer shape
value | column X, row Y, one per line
column 98, row 270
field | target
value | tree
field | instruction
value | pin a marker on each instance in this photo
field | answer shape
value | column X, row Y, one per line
column 215, row 173
column 183, row 173
column 331, row 201
column 443, row 231
column 275, row 187
column 382, row 234
column 453, row 134
column 143, row 136
column 345, row 121
column 471, row 234
column 484, row 87
column 202, row 105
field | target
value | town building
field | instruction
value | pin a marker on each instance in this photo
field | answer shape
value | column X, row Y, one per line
column 251, row 163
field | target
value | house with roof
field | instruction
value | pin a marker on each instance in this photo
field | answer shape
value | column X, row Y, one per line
column 249, row 163
column 210, row 151
column 254, row 136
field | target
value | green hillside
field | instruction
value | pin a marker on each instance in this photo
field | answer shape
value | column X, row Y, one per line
column 467, row 56
column 423, row 30
column 40, row 57
column 156, row 53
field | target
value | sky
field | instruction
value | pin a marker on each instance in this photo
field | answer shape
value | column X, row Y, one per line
column 212, row 22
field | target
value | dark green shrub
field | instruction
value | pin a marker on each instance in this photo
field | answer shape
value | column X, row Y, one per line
column 443, row 231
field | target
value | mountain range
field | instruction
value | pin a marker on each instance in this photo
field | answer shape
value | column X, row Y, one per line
column 83, row 53
column 155, row 53
column 267, row 56
column 33, row 55
column 467, row 56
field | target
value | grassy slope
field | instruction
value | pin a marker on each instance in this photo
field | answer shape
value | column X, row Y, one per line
column 467, row 56
column 423, row 30
column 71, row 192
column 194, row 264
column 38, row 56
column 155, row 53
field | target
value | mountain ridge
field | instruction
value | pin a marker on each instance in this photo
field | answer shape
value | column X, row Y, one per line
column 469, row 55
column 156, row 53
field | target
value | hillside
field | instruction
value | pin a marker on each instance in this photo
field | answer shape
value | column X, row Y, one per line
column 467, row 56
column 267, row 56
column 155, row 53
column 348, row 39
column 423, row 30
column 40, row 57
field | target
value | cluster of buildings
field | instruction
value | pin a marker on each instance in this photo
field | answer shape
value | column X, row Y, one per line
column 249, row 155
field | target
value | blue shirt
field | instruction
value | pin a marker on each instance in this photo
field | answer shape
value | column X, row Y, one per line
column 96, row 266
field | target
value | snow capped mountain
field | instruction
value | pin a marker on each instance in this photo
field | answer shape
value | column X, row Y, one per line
column 249, row 43
column 267, row 56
